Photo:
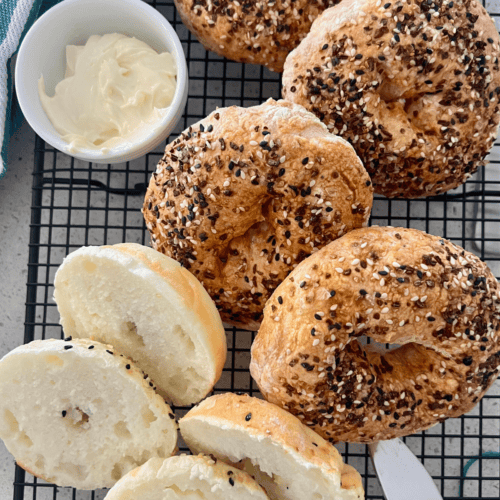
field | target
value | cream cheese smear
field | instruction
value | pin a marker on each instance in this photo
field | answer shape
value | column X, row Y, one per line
column 116, row 88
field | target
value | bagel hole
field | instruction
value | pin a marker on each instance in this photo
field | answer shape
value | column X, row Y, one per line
column 410, row 103
column 372, row 345
column 76, row 418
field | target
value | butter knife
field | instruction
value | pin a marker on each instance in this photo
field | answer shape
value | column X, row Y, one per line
column 401, row 474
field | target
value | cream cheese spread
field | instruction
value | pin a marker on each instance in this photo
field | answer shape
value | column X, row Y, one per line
column 116, row 89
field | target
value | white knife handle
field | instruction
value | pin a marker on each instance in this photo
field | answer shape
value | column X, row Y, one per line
column 401, row 474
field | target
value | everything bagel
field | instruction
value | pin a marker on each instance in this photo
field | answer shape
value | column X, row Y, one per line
column 243, row 196
column 414, row 86
column 439, row 302
column 257, row 32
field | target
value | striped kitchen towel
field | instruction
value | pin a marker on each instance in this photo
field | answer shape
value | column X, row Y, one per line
column 16, row 18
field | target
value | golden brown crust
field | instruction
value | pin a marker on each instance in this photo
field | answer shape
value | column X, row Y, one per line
column 406, row 83
column 261, row 419
column 398, row 286
column 350, row 478
column 258, row 32
column 246, row 194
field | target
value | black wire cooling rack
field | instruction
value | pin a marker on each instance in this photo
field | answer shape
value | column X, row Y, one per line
column 75, row 203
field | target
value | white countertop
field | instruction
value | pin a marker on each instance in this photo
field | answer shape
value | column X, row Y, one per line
column 15, row 214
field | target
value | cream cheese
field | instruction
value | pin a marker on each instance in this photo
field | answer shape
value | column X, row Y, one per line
column 116, row 89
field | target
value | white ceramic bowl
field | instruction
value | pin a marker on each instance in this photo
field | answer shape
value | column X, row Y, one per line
column 43, row 51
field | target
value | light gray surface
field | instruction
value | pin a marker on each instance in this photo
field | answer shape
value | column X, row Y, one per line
column 15, row 203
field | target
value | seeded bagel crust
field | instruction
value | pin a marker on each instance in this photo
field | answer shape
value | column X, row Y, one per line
column 398, row 286
column 414, row 86
column 258, row 32
column 287, row 458
column 246, row 194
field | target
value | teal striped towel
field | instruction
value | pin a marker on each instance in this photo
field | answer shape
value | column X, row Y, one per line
column 16, row 18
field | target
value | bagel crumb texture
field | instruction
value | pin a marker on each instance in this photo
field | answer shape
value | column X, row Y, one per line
column 81, row 398
column 439, row 302
column 243, row 196
column 297, row 462
column 252, row 31
column 413, row 85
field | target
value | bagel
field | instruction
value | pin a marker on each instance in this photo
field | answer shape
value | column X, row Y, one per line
column 252, row 32
column 287, row 458
column 439, row 302
column 186, row 477
column 77, row 413
column 243, row 196
column 150, row 309
column 414, row 87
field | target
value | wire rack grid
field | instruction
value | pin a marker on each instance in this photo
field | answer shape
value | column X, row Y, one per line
column 76, row 203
